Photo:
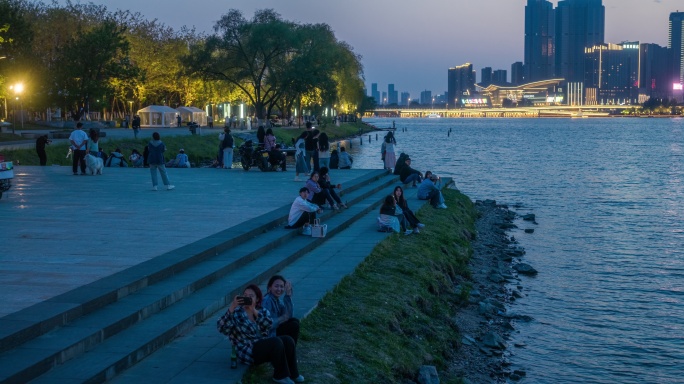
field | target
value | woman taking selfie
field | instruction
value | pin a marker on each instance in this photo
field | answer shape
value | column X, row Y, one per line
column 248, row 325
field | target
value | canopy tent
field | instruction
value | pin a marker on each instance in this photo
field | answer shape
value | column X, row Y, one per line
column 157, row 116
column 189, row 114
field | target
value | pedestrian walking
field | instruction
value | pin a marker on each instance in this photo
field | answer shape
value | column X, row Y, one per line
column 156, row 160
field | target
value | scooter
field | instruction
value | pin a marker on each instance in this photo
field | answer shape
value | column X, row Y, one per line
column 6, row 175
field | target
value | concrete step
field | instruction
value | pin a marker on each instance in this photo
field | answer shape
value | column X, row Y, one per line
column 151, row 309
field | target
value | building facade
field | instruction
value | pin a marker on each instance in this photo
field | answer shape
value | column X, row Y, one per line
column 656, row 81
column 539, row 41
column 426, row 97
column 676, row 45
column 485, row 76
column 500, row 77
column 392, row 95
column 461, row 82
column 612, row 74
column 579, row 24
column 517, row 73
column 375, row 94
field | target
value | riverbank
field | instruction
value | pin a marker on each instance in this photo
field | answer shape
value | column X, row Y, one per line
column 415, row 305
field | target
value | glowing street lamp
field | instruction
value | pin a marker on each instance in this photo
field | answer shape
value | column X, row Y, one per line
column 18, row 89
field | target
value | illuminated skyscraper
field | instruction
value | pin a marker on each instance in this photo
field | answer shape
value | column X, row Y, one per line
column 517, row 73
column 486, row 76
column 579, row 24
column 613, row 73
column 539, row 40
column 676, row 45
column 461, row 82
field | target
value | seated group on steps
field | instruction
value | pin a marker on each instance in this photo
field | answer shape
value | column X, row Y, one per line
column 262, row 329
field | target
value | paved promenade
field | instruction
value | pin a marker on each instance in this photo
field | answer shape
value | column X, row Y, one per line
column 60, row 231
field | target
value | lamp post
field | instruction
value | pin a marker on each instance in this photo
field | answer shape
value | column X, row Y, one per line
column 130, row 103
column 18, row 89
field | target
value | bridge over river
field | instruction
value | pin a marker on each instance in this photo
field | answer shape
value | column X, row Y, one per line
column 526, row 112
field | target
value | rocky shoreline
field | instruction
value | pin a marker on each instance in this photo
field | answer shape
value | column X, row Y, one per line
column 487, row 322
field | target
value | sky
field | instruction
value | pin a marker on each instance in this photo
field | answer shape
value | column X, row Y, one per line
column 413, row 43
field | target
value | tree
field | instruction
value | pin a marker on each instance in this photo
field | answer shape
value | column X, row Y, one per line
column 89, row 64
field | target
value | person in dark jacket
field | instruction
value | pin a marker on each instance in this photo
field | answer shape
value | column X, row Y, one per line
column 41, row 142
column 334, row 159
column 408, row 213
column 156, row 160
column 116, row 159
column 409, row 175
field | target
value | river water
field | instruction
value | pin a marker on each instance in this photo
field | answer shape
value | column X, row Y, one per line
column 608, row 194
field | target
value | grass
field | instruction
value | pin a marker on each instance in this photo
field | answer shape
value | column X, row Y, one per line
column 393, row 314
column 200, row 149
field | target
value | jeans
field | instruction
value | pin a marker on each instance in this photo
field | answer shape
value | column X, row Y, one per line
column 308, row 155
column 79, row 159
column 413, row 178
column 324, row 162
column 162, row 171
column 228, row 158
column 435, row 198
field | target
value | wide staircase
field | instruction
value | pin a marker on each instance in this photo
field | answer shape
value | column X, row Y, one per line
column 95, row 332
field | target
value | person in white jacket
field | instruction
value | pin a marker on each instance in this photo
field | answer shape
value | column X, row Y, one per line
column 302, row 211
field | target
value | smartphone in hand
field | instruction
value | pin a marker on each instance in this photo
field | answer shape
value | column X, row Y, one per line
column 244, row 300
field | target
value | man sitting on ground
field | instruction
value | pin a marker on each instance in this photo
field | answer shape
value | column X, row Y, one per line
column 302, row 211
column 277, row 158
column 429, row 190
column 410, row 175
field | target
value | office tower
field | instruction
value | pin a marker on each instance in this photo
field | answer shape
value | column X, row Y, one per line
column 405, row 98
column 486, row 77
column 676, row 44
column 461, row 82
column 375, row 94
column 500, row 77
column 384, row 98
column 539, row 40
column 656, row 81
column 392, row 95
column 612, row 73
column 517, row 73
column 426, row 97
column 579, row 24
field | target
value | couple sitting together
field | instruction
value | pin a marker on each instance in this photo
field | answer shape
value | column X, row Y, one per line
column 263, row 329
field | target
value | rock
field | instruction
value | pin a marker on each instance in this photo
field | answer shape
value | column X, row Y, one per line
column 495, row 277
column 467, row 340
column 428, row 375
column 525, row 269
column 520, row 373
column 514, row 377
column 492, row 340
column 517, row 316
column 529, row 217
column 529, row 230
column 507, row 226
column 486, row 309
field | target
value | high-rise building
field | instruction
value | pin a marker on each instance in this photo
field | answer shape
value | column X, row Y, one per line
column 375, row 94
column 676, row 45
column 517, row 73
column 500, row 77
column 612, row 73
column 461, row 82
column 539, row 40
column 579, row 24
column 486, row 76
column 392, row 95
column 656, row 81
column 426, row 97
column 405, row 98
column 384, row 98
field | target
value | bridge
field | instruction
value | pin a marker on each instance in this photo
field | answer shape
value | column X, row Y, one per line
column 523, row 112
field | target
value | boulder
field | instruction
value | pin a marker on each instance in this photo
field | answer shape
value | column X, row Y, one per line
column 427, row 374
column 492, row 340
column 525, row 269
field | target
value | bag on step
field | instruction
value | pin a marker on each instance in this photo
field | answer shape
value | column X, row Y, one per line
column 318, row 230
column 306, row 230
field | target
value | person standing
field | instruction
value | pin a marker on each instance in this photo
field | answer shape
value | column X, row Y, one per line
column 300, row 156
column 41, row 142
column 309, row 146
column 136, row 125
column 93, row 146
column 323, row 151
column 390, row 158
column 178, row 120
column 227, row 146
column 79, row 143
column 210, row 121
column 156, row 160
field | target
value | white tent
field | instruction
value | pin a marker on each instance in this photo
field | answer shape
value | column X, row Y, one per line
column 189, row 114
column 157, row 116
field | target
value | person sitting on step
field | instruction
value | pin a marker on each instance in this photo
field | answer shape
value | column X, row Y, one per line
column 317, row 194
column 390, row 220
column 248, row 325
column 329, row 188
column 116, row 159
column 302, row 212
column 278, row 301
column 411, row 218
column 409, row 175
column 429, row 189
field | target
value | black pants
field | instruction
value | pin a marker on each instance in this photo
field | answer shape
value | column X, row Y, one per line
column 289, row 328
column 42, row 156
column 280, row 352
column 79, row 159
column 306, row 217
column 276, row 158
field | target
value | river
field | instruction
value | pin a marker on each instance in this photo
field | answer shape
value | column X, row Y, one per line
column 608, row 195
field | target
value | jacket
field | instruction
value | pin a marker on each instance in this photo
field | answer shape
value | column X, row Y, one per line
column 156, row 155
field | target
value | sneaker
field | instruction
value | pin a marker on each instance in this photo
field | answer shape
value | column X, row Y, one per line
column 408, row 232
column 297, row 179
column 442, row 206
column 170, row 187
column 299, row 379
column 416, row 230
column 285, row 380
column 343, row 206
column 335, row 207
column 154, row 188
column 420, row 225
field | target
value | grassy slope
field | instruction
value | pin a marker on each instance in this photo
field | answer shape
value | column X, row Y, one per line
column 198, row 148
column 393, row 314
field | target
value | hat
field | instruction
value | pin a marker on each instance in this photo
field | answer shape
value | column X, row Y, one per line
column 182, row 150
column 407, row 158
column 434, row 177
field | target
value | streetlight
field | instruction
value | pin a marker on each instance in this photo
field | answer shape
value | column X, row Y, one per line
column 18, row 89
column 130, row 103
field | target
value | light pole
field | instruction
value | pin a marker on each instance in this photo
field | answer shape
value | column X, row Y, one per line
column 130, row 103
column 18, row 89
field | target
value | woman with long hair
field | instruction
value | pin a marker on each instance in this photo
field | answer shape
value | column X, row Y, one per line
column 411, row 218
column 390, row 157
column 329, row 188
column 300, row 156
column 278, row 301
column 323, row 151
column 93, row 146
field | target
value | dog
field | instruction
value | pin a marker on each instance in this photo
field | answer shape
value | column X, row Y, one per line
column 94, row 164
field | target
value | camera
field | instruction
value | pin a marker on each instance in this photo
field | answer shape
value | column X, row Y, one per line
column 244, row 300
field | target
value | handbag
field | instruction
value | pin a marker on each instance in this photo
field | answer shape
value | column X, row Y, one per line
column 306, row 230
column 318, row 230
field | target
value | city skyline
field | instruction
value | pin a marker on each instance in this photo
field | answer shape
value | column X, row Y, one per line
column 410, row 46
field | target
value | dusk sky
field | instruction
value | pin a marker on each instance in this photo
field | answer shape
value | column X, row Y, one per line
column 412, row 44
